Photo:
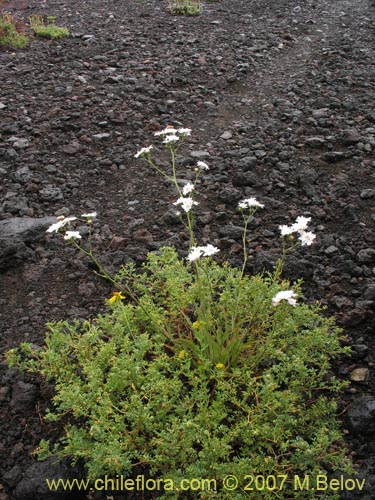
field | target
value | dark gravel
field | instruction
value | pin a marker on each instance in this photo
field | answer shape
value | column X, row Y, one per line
column 280, row 97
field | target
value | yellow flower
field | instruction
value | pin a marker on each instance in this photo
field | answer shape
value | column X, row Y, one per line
column 182, row 355
column 197, row 324
column 220, row 366
column 116, row 297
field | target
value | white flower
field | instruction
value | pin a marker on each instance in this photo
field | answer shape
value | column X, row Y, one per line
column 301, row 224
column 188, row 188
column 209, row 250
column 166, row 131
column 202, row 165
column 198, row 252
column 195, row 254
column 59, row 224
column 307, row 238
column 184, row 131
column 249, row 203
column 171, row 138
column 143, row 151
column 72, row 235
column 186, row 203
column 287, row 295
column 285, row 230
column 91, row 215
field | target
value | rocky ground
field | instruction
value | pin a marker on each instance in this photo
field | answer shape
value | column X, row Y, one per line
column 280, row 98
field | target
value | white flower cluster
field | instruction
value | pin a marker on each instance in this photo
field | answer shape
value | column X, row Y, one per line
column 188, row 188
column 172, row 134
column 287, row 295
column 173, row 131
column 250, row 203
column 63, row 221
column 202, row 165
column 72, row 235
column 198, row 252
column 143, row 151
column 300, row 226
column 186, row 203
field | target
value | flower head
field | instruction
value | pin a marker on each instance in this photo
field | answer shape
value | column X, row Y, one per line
column 301, row 224
column 202, row 165
column 91, row 215
column 195, row 254
column 186, row 203
column 184, row 131
column 60, row 223
column 171, row 138
column 250, row 203
column 188, row 188
column 72, row 235
column 287, row 295
column 116, row 297
column 286, row 230
column 209, row 250
column 198, row 252
column 220, row 366
column 307, row 238
column 197, row 324
column 143, row 151
column 168, row 130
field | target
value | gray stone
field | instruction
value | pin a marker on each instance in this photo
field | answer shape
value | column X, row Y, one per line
column 369, row 293
column 315, row 142
column 231, row 231
column 33, row 485
column 350, row 137
column 15, row 205
column 21, row 143
column 51, row 194
column 11, row 153
column 245, row 179
column 361, row 415
column 367, row 194
column 264, row 261
column 13, row 476
column 169, row 218
column 330, row 250
column 226, row 135
column 72, row 148
column 366, row 255
column 23, row 174
column 27, row 229
column 334, row 156
column 200, row 155
column 12, row 252
column 24, row 396
column 229, row 195
column 101, row 137
column 320, row 113
column 247, row 162
column 4, row 391
column 15, row 234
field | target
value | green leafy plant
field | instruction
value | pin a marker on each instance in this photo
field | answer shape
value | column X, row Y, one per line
column 185, row 7
column 196, row 370
column 49, row 30
column 10, row 36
